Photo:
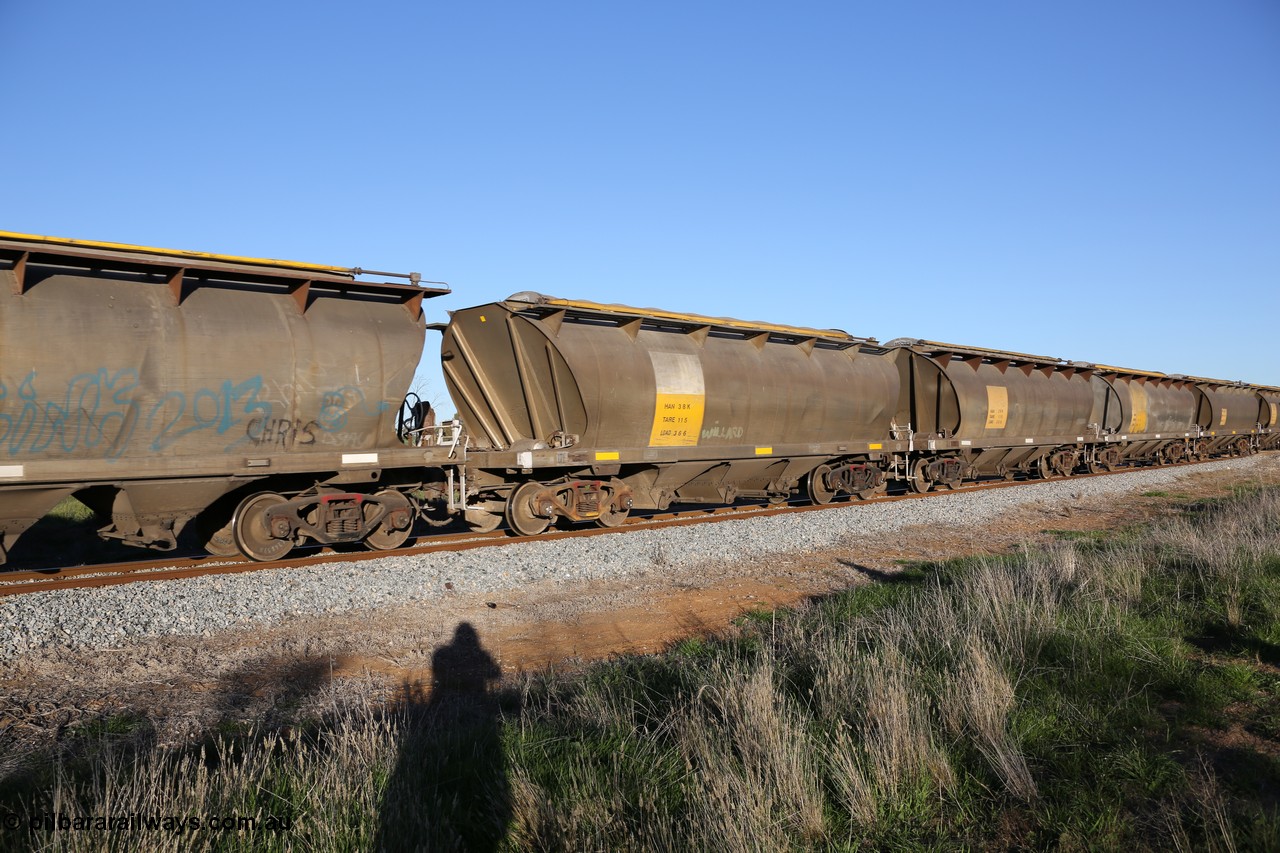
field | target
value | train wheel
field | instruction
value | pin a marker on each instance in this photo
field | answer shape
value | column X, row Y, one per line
column 249, row 528
column 868, row 494
column 387, row 535
column 1104, row 460
column 919, row 481
column 613, row 517
column 1044, row 468
column 819, row 492
column 480, row 521
column 520, row 511
column 618, row 508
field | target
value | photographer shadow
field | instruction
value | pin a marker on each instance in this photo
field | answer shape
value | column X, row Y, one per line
column 449, row 789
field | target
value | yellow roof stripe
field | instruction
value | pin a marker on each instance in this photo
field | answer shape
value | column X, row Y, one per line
column 1110, row 368
column 998, row 354
column 179, row 253
column 700, row 319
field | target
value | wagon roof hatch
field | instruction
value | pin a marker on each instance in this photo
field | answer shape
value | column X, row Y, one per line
column 127, row 256
column 1003, row 359
column 548, row 305
column 1204, row 380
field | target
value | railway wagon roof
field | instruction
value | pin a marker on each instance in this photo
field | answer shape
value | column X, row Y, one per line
column 946, row 351
column 125, row 255
column 1204, row 380
column 551, row 304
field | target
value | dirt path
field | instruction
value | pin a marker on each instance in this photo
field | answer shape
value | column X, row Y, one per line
column 182, row 685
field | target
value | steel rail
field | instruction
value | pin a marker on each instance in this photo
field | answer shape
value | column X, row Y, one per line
column 22, row 582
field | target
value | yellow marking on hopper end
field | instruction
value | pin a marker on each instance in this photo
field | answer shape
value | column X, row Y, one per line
column 997, row 407
column 607, row 456
column 677, row 420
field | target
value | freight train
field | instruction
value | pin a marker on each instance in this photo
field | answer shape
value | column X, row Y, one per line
column 261, row 404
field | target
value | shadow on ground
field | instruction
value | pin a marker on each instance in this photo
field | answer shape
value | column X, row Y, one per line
column 449, row 789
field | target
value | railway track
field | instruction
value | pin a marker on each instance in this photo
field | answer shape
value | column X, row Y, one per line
column 21, row 582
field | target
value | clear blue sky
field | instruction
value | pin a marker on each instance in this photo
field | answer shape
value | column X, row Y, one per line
column 1089, row 180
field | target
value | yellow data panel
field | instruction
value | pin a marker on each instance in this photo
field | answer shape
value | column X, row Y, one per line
column 680, row 400
column 1138, row 400
column 997, row 406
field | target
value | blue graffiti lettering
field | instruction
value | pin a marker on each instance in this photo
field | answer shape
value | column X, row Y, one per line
column 218, row 410
column 97, row 411
column 336, row 404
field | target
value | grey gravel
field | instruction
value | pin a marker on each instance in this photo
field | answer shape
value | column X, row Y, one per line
column 104, row 617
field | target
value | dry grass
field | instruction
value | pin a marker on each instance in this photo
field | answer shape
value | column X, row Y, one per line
column 751, row 745
column 326, row 787
column 1004, row 701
